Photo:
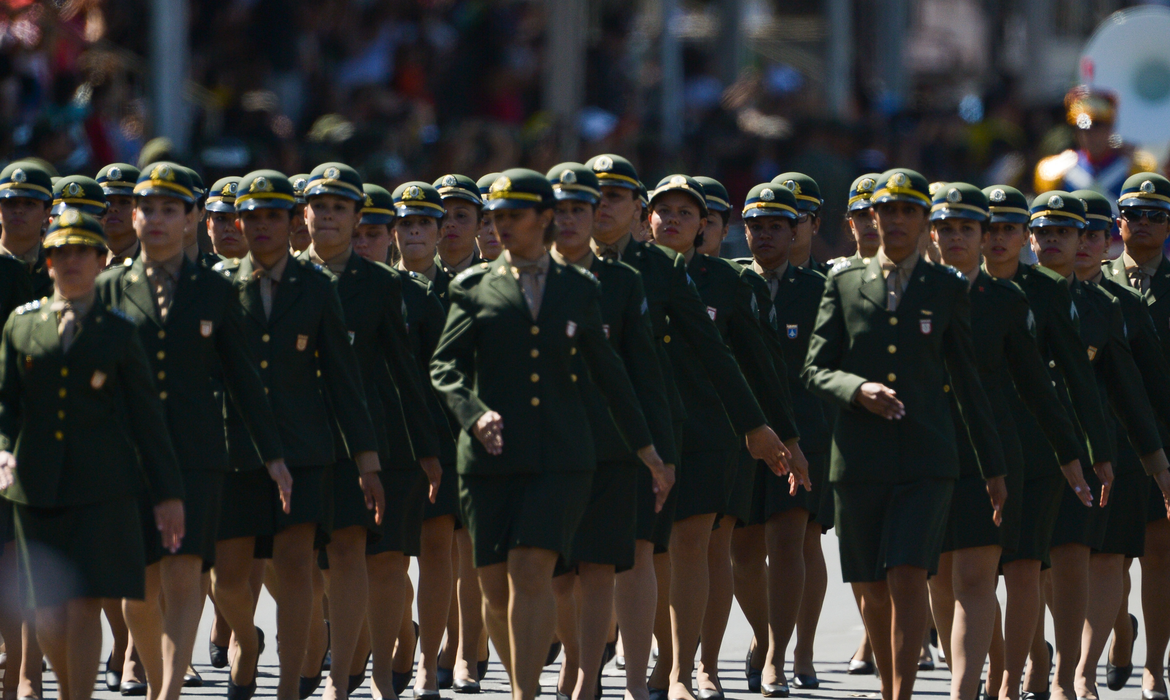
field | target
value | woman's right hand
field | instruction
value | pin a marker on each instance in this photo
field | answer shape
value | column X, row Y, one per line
column 1075, row 477
column 7, row 469
column 489, row 430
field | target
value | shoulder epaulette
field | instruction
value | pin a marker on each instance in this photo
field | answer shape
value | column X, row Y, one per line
column 809, row 272
column 472, row 271
column 31, row 306
column 842, row 265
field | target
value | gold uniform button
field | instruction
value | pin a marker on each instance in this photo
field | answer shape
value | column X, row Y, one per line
column 892, row 349
column 573, row 351
column 162, row 334
column 534, row 353
column 666, row 338
column 535, row 330
column 1052, row 363
column 162, row 395
column 61, row 392
column 265, row 390
column 162, row 375
column 893, row 320
column 64, row 371
column 263, row 364
column 161, row 355
column 60, row 415
column 535, row 401
column 265, row 338
column 60, row 435
column 891, row 377
column 318, row 373
column 946, row 388
column 573, row 377
column 535, row 377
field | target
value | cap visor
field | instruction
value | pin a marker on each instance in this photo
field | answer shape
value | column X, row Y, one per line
column 87, row 208
column 493, row 204
column 118, row 191
column 164, row 192
column 1098, row 225
column 957, row 214
column 711, row 206
column 805, row 205
column 1056, row 221
column 339, row 191
column 376, row 219
column 221, row 206
column 416, row 211
column 861, row 204
column 250, row 204
column 13, row 192
column 576, row 195
column 758, row 213
column 614, row 182
column 1009, row 218
column 465, row 196
column 900, row 198
column 1143, row 203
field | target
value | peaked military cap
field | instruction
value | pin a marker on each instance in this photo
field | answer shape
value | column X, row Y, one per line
column 378, row 207
column 861, row 190
column 902, row 185
column 681, row 183
column 118, row 179
column 485, row 184
column 574, row 181
column 643, row 195
column 264, row 189
column 769, row 199
column 460, row 187
column 1057, row 208
column 1149, row 190
column 959, row 200
column 299, row 182
column 335, row 178
column 614, row 171
column 717, row 197
column 165, row 179
column 222, row 195
column 418, row 199
column 79, row 192
column 1007, row 205
column 197, row 187
column 806, row 189
column 520, row 188
column 25, row 179
column 75, row 227
column 1098, row 210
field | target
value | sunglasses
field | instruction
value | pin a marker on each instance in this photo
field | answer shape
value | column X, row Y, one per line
column 1155, row 216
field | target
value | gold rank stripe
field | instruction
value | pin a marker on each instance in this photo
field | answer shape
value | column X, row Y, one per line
column 73, row 236
column 264, row 195
column 25, row 186
column 147, row 184
column 1009, row 210
column 859, row 197
column 909, row 191
column 1138, row 194
column 616, row 176
column 77, row 202
column 1057, row 212
column 509, row 194
column 768, row 205
column 958, row 205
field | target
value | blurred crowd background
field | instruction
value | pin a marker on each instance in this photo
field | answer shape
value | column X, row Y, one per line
column 739, row 90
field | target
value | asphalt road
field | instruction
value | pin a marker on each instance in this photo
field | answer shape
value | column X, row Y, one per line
column 837, row 637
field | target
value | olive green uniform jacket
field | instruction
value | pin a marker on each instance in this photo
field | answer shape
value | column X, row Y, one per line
column 425, row 317
column 494, row 356
column 85, row 426
column 912, row 351
column 15, row 286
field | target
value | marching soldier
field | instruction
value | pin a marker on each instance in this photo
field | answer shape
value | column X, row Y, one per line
column 226, row 240
column 26, row 195
column 456, row 249
column 808, row 218
column 719, row 216
column 117, row 181
column 887, row 335
column 81, row 193
column 860, row 215
column 372, row 239
column 487, row 241
column 81, row 430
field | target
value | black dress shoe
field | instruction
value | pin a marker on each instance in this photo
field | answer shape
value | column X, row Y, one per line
column 260, row 636
column 554, row 650
column 1028, row 695
column 657, row 693
column 240, row 692
column 619, row 662
column 308, row 686
column 356, row 681
column 710, row 694
column 860, row 668
column 1153, row 695
column 132, row 688
column 465, row 687
column 425, row 694
column 193, row 679
column 218, row 654
column 445, row 676
column 1117, row 676
column 775, row 690
column 113, row 677
column 753, row 674
column 481, row 668
column 801, row 681
column 399, row 681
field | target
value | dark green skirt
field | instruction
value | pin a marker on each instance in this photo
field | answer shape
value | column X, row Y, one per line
column 202, row 496
column 89, row 551
column 606, row 532
column 1077, row 524
column 251, row 503
column 406, row 497
column 7, row 524
column 1125, row 532
column 771, row 495
column 880, row 526
column 1155, row 505
column 650, row 526
column 739, row 503
column 447, row 502
column 705, row 481
column 541, row 510
column 1041, row 497
column 969, row 522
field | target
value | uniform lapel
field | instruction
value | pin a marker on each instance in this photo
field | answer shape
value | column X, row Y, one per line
column 287, row 291
column 250, row 296
column 1160, row 283
column 873, row 285
column 353, row 278
column 915, row 288
column 45, row 331
column 137, row 289
column 1115, row 270
column 508, row 287
column 185, row 291
column 552, row 288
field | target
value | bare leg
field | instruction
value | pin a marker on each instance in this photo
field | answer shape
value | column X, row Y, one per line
column 493, row 583
column 348, row 580
column 531, row 616
column 1156, row 603
column 749, row 566
column 292, row 557
column 232, row 588
column 1070, row 591
column 873, row 600
column 145, row 620
column 689, row 584
column 595, row 588
column 11, row 619
column 434, row 577
column 942, row 603
column 816, row 581
column 449, row 652
column 635, row 598
column 974, row 617
column 909, row 613
column 387, row 572
column 995, row 655
column 407, row 641
column 471, row 625
column 1022, row 580
column 785, row 534
column 1039, row 665
column 182, row 594
column 52, row 632
column 312, row 666
column 568, row 631
column 660, row 674
column 718, row 609
column 31, row 658
column 1105, row 590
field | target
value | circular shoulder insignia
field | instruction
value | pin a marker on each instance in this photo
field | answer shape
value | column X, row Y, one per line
column 568, row 177
column 603, row 164
column 898, row 180
column 71, row 217
column 502, row 184
column 1055, row 202
column 954, row 196
column 162, row 172
column 114, row 173
column 866, row 185
column 231, row 188
column 412, row 192
column 19, row 175
column 998, row 195
column 678, row 180
column 332, row 173
column 792, row 185
column 767, row 194
column 73, row 190
column 1148, row 187
column 450, row 181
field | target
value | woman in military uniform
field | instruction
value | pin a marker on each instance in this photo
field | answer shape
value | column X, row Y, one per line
column 709, row 454
column 516, row 322
column 372, row 238
column 117, row 181
column 963, row 594
column 74, row 383
column 487, row 241
column 226, row 240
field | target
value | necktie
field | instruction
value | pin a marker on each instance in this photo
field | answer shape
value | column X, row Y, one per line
column 162, row 285
column 267, row 291
column 531, row 284
column 67, row 326
column 896, row 278
column 773, row 281
column 1139, row 279
column 608, row 252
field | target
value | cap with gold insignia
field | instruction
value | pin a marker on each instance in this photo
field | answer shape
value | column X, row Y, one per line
column 1147, row 190
column 79, row 192
column 460, row 187
column 165, row 179
column 717, row 197
column 378, row 207
column 118, row 179
column 417, row 198
column 75, row 227
column 643, row 195
column 808, row 193
column 1087, row 107
column 1057, row 208
column 770, row 199
column 25, row 179
column 1098, row 210
column 197, row 187
column 222, row 195
column 1007, row 205
column 520, row 188
column 264, row 189
column 614, row 171
column 574, row 181
column 901, row 185
column 861, row 190
column 335, row 178
column 959, row 200
column 681, row 183
column 299, row 182
column 484, row 184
